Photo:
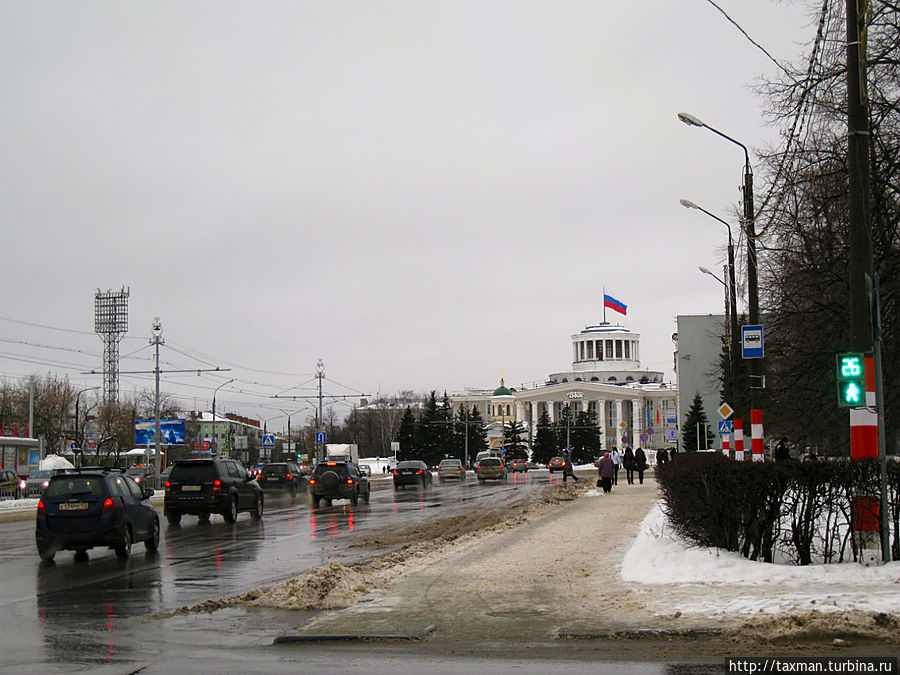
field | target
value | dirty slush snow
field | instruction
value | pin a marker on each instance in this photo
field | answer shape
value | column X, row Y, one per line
column 658, row 582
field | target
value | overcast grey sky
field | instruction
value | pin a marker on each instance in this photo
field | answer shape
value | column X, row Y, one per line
column 421, row 194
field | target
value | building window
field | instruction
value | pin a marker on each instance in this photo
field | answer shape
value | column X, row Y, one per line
column 590, row 349
column 599, row 350
column 609, row 349
column 618, row 349
column 581, row 350
column 627, row 349
column 508, row 413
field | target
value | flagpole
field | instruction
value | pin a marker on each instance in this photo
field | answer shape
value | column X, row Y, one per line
column 604, row 304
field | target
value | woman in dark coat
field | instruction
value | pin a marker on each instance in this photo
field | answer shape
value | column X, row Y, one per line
column 628, row 463
column 640, row 464
column 606, row 469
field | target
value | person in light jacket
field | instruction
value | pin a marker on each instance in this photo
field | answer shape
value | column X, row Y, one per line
column 616, row 458
column 606, row 469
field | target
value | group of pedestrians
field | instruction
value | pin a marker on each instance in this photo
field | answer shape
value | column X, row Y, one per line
column 634, row 461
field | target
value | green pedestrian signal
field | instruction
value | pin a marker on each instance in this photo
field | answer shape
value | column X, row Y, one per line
column 851, row 380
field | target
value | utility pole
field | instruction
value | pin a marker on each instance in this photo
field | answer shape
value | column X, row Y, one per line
column 156, row 339
column 320, row 375
column 865, row 422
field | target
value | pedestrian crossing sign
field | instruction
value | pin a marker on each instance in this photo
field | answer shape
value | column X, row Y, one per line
column 725, row 426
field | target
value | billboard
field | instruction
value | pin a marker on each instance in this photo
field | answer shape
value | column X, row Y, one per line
column 172, row 431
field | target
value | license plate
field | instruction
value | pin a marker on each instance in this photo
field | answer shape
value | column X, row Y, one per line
column 190, row 488
column 73, row 506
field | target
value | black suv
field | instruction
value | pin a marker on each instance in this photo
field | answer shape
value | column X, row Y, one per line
column 338, row 480
column 88, row 507
column 280, row 477
column 201, row 487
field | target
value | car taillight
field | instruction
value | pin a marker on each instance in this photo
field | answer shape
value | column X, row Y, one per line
column 109, row 504
column 41, row 507
column 312, row 481
column 396, row 473
column 168, row 487
column 349, row 481
column 290, row 476
column 217, row 486
column 421, row 471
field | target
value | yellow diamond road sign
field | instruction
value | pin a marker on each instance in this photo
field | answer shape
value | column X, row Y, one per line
column 725, row 411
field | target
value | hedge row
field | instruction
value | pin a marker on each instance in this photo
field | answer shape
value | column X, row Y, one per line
column 794, row 511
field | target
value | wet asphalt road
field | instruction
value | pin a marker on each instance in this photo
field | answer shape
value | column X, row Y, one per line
column 88, row 612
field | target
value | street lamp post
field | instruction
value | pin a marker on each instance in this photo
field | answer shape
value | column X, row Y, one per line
column 215, row 426
column 731, row 293
column 749, row 230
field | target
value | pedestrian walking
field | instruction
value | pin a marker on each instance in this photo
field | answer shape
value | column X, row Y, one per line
column 568, row 469
column 606, row 471
column 662, row 456
column 628, row 463
column 782, row 452
column 640, row 464
column 616, row 458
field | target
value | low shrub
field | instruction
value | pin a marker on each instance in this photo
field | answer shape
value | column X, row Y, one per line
column 792, row 511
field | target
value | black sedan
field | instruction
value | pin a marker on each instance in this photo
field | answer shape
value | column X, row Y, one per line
column 412, row 472
column 284, row 477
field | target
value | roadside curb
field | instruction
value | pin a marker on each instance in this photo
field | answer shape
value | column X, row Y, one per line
column 349, row 637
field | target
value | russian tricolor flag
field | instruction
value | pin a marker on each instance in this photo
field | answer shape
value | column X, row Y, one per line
column 612, row 303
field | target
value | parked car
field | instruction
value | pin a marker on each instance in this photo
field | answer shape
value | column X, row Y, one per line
column 366, row 470
column 280, row 477
column 11, row 486
column 37, row 481
column 490, row 468
column 451, row 469
column 338, row 480
column 84, row 508
column 201, row 487
column 556, row 464
column 519, row 465
column 412, row 472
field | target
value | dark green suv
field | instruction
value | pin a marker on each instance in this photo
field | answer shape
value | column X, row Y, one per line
column 201, row 487
column 338, row 480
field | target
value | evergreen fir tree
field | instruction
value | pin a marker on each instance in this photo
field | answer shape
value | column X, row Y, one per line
column 477, row 431
column 512, row 441
column 563, row 429
column 544, row 447
column 432, row 432
column 696, row 421
column 585, row 438
column 406, row 435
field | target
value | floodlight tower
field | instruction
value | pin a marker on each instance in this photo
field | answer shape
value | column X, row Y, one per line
column 111, row 323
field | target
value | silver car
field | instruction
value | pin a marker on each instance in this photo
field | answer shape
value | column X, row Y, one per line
column 38, row 481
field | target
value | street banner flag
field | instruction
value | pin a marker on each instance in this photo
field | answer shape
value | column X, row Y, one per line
column 612, row 303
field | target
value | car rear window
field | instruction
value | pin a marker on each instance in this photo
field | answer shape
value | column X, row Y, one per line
column 490, row 461
column 199, row 472
column 410, row 464
column 339, row 467
column 275, row 470
column 75, row 486
column 450, row 462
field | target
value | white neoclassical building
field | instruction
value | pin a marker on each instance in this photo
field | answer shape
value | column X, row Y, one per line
column 633, row 406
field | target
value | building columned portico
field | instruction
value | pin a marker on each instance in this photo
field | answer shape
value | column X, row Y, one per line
column 632, row 406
